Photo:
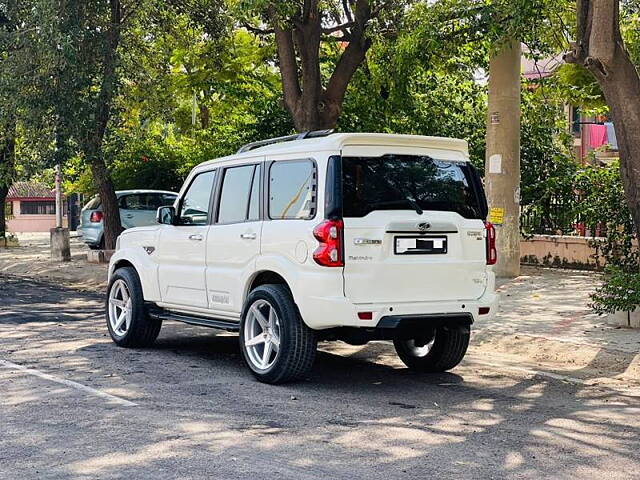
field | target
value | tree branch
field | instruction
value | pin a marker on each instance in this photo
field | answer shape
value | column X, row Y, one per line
column 288, row 67
column 602, row 38
column 308, row 8
column 337, row 28
column 579, row 50
column 347, row 10
column 127, row 13
column 353, row 55
column 257, row 30
column 376, row 11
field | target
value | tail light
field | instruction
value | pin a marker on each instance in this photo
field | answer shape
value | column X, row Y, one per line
column 492, row 252
column 96, row 217
column 329, row 253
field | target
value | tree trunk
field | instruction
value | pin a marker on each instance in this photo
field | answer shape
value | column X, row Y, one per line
column 93, row 146
column 600, row 48
column 311, row 105
column 7, row 170
column 621, row 89
column 4, row 189
column 111, row 212
column 205, row 116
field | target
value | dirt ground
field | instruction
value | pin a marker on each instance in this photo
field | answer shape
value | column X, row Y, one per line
column 544, row 317
column 74, row 406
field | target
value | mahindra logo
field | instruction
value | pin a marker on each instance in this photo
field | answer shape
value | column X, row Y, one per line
column 423, row 227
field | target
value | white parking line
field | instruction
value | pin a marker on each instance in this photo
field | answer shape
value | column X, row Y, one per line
column 68, row 383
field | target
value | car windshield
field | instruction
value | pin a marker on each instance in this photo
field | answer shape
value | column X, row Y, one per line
column 408, row 182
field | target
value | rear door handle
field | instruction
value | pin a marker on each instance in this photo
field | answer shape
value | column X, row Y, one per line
column 129, row 215
column 249, row 236
column 196, row 237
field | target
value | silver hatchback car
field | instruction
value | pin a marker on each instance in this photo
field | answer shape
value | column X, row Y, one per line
column 137, row 208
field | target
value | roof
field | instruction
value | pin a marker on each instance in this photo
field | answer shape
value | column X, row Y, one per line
column 30, row 190
column 129, row 192
column 120, row 193
column 541, row 68
column 337, row 141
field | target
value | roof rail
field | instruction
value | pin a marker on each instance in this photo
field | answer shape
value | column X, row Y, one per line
column 286, row 138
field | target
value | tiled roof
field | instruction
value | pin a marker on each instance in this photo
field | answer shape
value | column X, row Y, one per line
column 30, row 190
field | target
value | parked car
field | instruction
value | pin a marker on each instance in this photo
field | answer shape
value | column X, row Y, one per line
column 137, row 208
column 352, row 237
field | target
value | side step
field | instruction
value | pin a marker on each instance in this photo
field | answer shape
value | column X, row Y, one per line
column 219, row 323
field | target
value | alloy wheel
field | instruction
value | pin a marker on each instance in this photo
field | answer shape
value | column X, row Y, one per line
column 120, row 308
column 262, row 335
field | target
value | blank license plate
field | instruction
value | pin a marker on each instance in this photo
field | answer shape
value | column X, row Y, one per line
column 420, row 245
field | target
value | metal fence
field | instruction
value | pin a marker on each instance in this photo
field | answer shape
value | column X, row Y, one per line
column 558, row 218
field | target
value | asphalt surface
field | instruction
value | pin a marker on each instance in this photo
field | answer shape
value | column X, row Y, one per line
column 75, row 406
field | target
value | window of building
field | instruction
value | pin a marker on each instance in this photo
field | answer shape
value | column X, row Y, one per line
column 8, row 209
column 576, row 118
column 38, row 207
column 292, row 189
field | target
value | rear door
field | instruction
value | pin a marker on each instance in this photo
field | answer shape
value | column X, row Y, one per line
column 234, row 238
column 130, row 207
column 414, row 229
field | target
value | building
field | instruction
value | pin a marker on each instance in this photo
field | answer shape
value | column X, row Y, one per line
column 594, row 139
column 31, row 207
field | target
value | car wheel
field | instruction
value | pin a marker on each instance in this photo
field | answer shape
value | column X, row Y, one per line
column 276, row 344
column 127, row 319
column 442, row 349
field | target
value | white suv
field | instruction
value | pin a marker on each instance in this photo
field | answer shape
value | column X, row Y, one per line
column 317, row 236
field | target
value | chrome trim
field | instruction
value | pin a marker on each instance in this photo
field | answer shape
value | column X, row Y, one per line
column 366, row 241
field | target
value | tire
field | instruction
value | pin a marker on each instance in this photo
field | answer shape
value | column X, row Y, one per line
column 97, row 246
column 448, row 348
column 142, row 330
column 296, row 342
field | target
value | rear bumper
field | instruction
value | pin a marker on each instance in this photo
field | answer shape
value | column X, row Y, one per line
column 91, row 235
column 409, row 322
column 333, row 312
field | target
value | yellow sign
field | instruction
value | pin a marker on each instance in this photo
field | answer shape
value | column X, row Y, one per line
column 496, row 215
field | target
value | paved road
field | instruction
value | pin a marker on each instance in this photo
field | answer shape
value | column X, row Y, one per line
column 73, row 405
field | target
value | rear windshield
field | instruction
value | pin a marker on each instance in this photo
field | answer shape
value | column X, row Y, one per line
column 146, row 201
column 408, row 182
column 93, row 203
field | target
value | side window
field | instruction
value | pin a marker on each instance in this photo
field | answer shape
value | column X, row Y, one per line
column 254, row 200
column 157, row 200
column 292, row 189
column 194, row 208
column 133, row 202
column 234, row 196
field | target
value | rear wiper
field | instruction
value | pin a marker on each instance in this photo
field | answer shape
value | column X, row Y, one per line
column 410, row 200
column 415, row 205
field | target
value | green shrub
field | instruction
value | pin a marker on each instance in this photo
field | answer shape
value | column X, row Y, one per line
column 603, row 206
column 620, row 291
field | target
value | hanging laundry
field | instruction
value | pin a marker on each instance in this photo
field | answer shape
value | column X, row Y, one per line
column 597, row 135
column 612, row 140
